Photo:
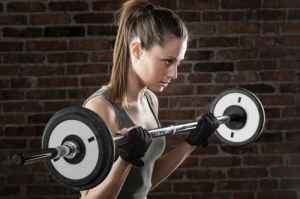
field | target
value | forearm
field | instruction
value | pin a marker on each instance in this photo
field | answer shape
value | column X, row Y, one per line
column 170, row 161
column 112, row 184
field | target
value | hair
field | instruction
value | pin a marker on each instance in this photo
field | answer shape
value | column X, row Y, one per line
column 152, row 25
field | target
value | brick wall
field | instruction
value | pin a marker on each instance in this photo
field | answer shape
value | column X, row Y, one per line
column 56, row 53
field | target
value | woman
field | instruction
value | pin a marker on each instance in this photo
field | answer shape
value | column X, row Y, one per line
column 150, row 44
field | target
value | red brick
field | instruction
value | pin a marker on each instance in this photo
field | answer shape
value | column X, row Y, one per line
column 27, row 32
column 270, row 137
column 57, row 82
column 202, row 5
column 94, row 18
column 274, row 194
column 290, row 183
column 270, row 28
column 221, row 162
column 293, row 14
column 87, row 69
column 11, row 95
column 281, row 4
column 274, row 100
column 199, row 174
column 241, row 150
column 24, row 58
column 9, row 70
column 244, row 195
column 90, row 44
column 199, row 78
column 106, row 5
column 189, row 16
column 290, row 28
column 277, row 75
column 199, row 55
column 104, row 56
column 214, row 67
column 82, row 93
column 257, row 65
column 46, row 94
column 49, row 19
column 173, row 90
column 188, row 102
column 29, row 7
column 248, row 76
column 280, row 148
column 94, row 81
column 293, row 136
column 247, row 172
column 211, row 90
column 236, row 54
column 240, row 4
column 64, row 31
column 12, row 143
column 24, row 106
column 13, row 20
column 284, row 124
column 269, row 184
column 193, row 187
column 67, row 57
column 11, row 46
column 46, row 45
column 10, row 190
column 223, row 15
column 68, row 6
column 294, row 160
column 238, row 28
column 42, row 70
column 23, row 131
column 177, row 115
column 197, row 28
column 41, row 118
column 22, row 83
column 237, row 185
column 102, row 30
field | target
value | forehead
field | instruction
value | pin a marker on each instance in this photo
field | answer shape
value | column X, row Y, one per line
column 173, row 47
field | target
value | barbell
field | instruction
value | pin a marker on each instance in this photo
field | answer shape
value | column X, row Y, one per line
column 80, row 150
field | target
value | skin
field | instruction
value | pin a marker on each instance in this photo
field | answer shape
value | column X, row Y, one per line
column 155, row 69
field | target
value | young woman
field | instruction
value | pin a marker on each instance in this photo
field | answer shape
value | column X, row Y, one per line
column 150, row 44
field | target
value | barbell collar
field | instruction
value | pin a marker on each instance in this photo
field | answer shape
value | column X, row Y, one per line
column 67, row 150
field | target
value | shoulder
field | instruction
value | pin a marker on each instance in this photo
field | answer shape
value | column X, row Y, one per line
column 105, row 110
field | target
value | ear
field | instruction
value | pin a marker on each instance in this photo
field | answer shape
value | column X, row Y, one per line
column 135, row 48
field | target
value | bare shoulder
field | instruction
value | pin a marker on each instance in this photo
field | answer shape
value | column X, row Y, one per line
column 154, row 100
column 105, row 110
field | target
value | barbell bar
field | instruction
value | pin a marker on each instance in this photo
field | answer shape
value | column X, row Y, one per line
column 80, row 150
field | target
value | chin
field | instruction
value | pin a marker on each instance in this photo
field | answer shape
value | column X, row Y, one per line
column 157, row 89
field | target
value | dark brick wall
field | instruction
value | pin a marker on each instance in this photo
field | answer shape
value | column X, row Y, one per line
column 55, row 53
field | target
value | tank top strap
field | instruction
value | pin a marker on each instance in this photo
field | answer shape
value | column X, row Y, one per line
column 151, row 106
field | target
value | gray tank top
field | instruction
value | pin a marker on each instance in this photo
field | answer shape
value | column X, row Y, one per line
column 138, row 182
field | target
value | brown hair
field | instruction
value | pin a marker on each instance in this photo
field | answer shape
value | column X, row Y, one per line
column 152, row 24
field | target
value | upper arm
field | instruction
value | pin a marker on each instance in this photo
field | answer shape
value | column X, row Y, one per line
column 105, row 110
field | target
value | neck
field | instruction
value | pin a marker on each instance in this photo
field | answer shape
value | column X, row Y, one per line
column 135, row 87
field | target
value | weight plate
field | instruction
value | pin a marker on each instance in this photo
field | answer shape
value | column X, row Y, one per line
column 86, row 125
column 252, row 109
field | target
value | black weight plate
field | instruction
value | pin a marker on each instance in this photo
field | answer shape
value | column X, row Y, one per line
column 96, row 133
column 254, row 129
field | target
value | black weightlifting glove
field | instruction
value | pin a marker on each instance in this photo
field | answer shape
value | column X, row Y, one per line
column 134, row 145
column 206, row 126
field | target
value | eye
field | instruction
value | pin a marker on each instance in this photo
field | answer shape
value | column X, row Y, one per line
column 168, row 62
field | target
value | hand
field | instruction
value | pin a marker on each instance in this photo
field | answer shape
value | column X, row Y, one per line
column 134, row 145
column 206, row 126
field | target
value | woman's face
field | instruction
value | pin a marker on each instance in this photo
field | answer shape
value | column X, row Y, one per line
column 157, row 67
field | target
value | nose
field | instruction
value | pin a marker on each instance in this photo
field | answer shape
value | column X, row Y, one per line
column 173, row 71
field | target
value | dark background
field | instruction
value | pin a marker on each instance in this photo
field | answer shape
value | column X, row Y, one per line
column 56, row 53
